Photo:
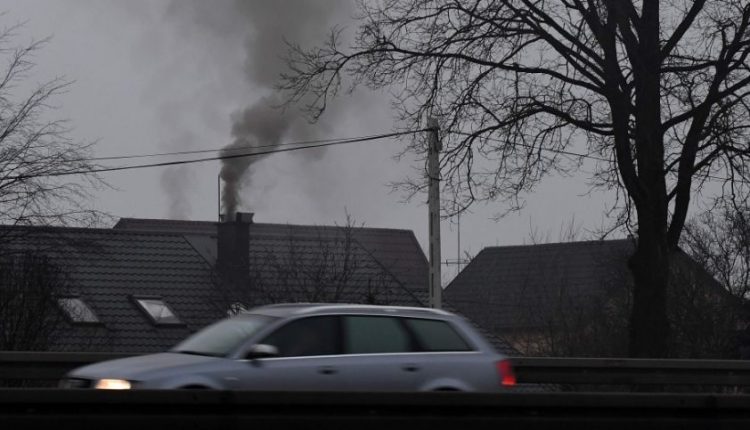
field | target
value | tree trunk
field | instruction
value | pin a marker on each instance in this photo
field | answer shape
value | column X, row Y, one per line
column 649, row 325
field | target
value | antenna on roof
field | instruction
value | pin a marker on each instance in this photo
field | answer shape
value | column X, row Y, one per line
column 218, row 196
column 458, row 244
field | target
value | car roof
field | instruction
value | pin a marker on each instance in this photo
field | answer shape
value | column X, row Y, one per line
column 295, row 309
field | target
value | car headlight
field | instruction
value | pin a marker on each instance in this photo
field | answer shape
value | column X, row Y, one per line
column 112, row 384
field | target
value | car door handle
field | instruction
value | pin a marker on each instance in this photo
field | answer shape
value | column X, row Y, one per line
column 410, row 367
column 327, row 370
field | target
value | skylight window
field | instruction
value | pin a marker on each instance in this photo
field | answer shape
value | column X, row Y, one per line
column 77, row 310
column 236, row 309
column 158, row 310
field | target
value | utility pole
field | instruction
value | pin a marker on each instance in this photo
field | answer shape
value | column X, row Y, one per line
column 433, row 203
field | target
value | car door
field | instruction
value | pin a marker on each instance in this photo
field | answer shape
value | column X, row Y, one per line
column 379, row 353
column 447, row 361
column 309, row 358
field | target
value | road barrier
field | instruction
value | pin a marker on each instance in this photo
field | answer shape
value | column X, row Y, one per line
column 186, row 409
column 50, row 366
column 633, row 371
column 37, row 368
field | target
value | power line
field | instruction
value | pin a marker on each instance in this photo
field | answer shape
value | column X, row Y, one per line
column 219, row 157
column 223, row 150
column 572, row 154
column 526, row 145
column 327, row 141
column 299, row 145
column 311, row 142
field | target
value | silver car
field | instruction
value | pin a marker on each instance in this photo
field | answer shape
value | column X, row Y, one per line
column 320, row 347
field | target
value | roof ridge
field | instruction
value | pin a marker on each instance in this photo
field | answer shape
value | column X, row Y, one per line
column 62, row 229
column 164, row 220
column 328, row 226
column 178, row 222
column 558, row 244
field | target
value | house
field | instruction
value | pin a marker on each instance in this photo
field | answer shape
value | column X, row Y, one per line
column 573, row 299
column 144, row 285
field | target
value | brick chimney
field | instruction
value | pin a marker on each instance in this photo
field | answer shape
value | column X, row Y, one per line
column 233, row 253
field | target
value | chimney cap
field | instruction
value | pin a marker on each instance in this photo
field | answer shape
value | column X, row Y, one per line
column 244, row 217
column 241, row 217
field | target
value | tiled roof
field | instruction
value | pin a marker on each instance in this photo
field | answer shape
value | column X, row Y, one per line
column 392, row 252
column 107, row 267
column 293, row 263
column 174, row 260
column 514, row 289
column 503, row 286
column 500, row 344
column 166, row 225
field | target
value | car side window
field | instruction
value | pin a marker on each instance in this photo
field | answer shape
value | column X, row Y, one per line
column 434, row 335
column 373, row 334
column 306, row 337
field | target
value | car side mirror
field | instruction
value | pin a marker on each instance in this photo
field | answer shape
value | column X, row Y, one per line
column 261, row 350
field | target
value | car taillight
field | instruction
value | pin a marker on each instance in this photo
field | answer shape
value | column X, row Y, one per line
column 505, row 372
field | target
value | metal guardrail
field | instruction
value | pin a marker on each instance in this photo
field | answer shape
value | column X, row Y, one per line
column 78, row 409
column 37, row 365
column 30, row 365
column 632, row 371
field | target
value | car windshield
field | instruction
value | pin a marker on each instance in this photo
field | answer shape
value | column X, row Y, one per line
column 223, row 337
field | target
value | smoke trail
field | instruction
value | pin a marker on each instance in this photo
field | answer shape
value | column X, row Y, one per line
column 176, row 181
column 266, row 26
column 257, row 125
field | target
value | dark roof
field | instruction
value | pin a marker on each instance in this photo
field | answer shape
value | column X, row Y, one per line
column 166, row 225
column 108, row 267
column 174, row 260
column 392, row 252
column 526, row 287
column 501, row 345
column 502, row 286
column 396, row 251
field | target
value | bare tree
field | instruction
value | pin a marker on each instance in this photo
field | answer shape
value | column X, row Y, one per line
column 323, row 265
column 30, row 316
column 36, row 153
column 324, row 268
column 560, row 319
column 719, row 239
column 704, row 316
column 655, row 91
column 564, row 315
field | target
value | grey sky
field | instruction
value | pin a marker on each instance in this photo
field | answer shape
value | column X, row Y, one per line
column 155, row 76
